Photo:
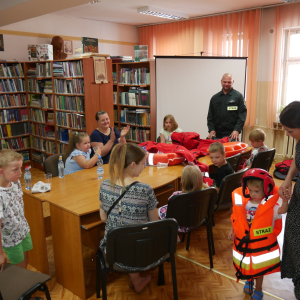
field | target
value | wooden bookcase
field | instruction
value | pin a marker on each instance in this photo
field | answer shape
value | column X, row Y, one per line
column 60, row 102
column 127, row 77
column 14, row 124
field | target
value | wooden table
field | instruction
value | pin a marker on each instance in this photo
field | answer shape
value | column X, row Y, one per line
column 75, row 221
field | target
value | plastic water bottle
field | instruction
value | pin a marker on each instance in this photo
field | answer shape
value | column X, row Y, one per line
column 100, row 170
column 27, row 178
column 61, row 168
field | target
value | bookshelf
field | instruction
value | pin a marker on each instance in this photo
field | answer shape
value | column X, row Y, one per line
column 46, row 102
column 14, row 123
column 134, row 99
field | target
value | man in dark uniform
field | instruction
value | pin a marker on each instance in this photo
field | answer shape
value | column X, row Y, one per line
column 227, row 112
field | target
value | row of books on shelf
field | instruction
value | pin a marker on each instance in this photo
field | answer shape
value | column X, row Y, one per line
column 25, row 155
column 39, row 157
column 139, row 135
column 63, row 86
column 45, row 131
column 39, row 86
column 41, row 101
column 136, row 76
column 16, row 143
column 135, row 96
column 139, row 117
column 70, row 120
column 14, row 70
column 11, row 85
column 38, row 115
column 14, row 129
column 13, row 115
column 42, row 145
column 72, row 103
column 9, row 100
column 63, row 135
column 68, row 69
column 40, row 70
column 62, row 148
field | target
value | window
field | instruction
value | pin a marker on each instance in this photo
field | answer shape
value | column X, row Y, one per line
column 291, row 67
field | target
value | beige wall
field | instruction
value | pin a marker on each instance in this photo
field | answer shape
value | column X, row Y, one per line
column 115, row 39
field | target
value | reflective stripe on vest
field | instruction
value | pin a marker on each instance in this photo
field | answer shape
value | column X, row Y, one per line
column 237, row 257
column 260, row 261
column 266, row 260
column 150, row 159
column 238, row 199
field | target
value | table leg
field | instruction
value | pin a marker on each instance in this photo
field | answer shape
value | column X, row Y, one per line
column 66, row 236
column 37, row 257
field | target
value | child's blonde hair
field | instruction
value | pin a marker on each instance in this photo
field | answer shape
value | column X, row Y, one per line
column 75, row 138
column 215, row 147
column 121, row 157
column 173, row 122
column 255, row 183
column 191, row 179
column 7, row 156
column 257, row 135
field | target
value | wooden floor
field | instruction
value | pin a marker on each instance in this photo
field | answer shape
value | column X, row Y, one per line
column 195, row 280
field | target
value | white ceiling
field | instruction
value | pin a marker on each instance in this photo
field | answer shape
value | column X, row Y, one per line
column 120, row 11
column 125, row 11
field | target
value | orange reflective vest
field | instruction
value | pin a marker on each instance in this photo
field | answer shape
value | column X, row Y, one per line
column 255, row 250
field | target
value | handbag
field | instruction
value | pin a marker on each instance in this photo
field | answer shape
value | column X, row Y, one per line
column 121, row 196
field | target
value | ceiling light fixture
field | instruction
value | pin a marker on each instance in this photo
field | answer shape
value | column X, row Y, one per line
column 94, row 2
column 162, row 13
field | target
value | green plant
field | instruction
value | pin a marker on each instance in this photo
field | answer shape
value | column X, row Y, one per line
column 281, row 108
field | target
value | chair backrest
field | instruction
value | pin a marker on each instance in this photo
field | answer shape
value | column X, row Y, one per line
column 190, row 209
column 234, row 161
column 263, row 160
column 158, row 139
column 141, row 245
column 228, row 185
column 50, row 164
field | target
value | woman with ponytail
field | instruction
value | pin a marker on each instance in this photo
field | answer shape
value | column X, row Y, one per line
column 138, row 205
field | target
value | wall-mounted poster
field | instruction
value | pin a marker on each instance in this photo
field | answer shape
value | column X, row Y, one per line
column 1, row 43
column 68, row 47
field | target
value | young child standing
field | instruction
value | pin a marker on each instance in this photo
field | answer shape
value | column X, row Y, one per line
column 169, row 126
column 256, row 223
column 257, row 139
column 217, row 157
column 78, row 153
column 191, row 181
column 15, row 238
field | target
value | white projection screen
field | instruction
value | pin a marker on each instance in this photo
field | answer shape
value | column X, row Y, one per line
column 185, row 85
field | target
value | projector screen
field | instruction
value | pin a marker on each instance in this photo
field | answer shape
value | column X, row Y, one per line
column 185, row 85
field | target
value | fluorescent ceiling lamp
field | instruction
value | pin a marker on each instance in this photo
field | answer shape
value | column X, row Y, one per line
column 162, row 13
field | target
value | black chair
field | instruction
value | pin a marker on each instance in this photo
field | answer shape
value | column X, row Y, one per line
column 158, row 139
column 50, row 164
column 193, row 210
column 19, row 283
column 138, row 245
column 234, row 162
column 264, row 160
column 228, row 185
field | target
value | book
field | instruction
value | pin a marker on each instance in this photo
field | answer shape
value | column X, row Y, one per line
column 141, row 53
column 89, row 45
column 40, row 52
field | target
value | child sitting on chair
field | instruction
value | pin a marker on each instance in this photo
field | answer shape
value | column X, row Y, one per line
column 169, row 126
column 257, row 139
column 191, row 181
column 78, row 153
column 15, row 239
column 217, row 157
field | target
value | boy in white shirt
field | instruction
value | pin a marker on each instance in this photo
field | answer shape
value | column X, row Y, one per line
column 15, row 239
